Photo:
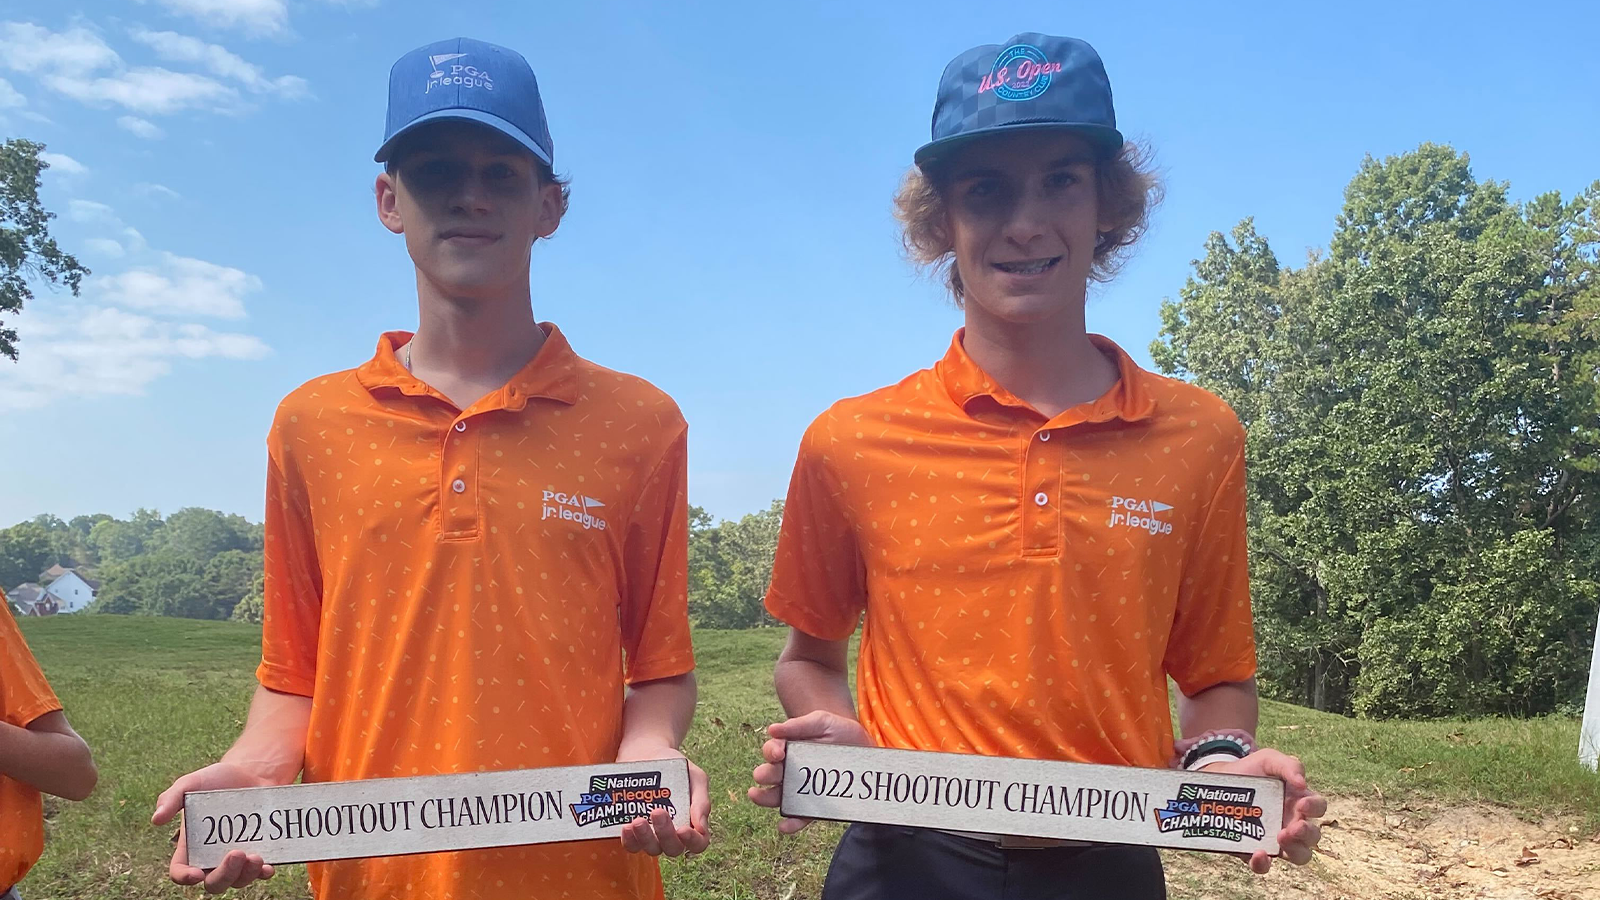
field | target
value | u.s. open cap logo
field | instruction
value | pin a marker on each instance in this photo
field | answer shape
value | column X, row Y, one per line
column 1020, row 72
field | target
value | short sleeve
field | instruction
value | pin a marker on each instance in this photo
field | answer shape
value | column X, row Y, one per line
column 655, row 601
column 292, row 607
column 25, row 695
column 818, row 576
column 1213, row 634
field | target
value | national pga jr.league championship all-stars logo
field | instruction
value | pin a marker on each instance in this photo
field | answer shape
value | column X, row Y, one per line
column 1020, row 72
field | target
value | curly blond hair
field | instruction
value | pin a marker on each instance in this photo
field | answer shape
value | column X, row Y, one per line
column 1126, row 188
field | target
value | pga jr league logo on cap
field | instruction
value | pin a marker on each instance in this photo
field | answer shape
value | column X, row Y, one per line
column 1021, row 72
column 458, row 74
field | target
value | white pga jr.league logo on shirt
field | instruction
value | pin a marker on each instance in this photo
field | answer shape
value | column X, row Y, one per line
column 575, row 508
column 1144, row 515
column 456, row 74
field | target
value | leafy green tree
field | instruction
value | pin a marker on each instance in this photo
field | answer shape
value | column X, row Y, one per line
column 730, row 565
column 160, row 584
column 253, row 607
column 204, row 533
column 1423, row 421
column 25, row 551
column 231, row 575
column 114, row 539
column 84, row 524
column 27, row 251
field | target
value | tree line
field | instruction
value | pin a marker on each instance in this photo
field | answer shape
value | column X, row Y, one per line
column 196, row 563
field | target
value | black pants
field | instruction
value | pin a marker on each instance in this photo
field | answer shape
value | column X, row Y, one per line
column 884, row 862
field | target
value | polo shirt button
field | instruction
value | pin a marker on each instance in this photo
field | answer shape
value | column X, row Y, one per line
column 461, row 426
column 1040, row 498
column 1044, row 435
column 459, row 486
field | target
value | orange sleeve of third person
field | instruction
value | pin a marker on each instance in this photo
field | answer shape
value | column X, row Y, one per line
column 292, row 614
column 655, row 590
column 818, row 576
column 1213, row 635
column 24, row 694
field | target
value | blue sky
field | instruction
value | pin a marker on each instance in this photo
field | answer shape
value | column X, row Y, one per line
column 730, row 236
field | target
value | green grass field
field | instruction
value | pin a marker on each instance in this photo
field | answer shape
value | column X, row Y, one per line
column 158, row 697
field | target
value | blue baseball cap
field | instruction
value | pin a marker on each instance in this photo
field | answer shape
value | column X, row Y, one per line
column 1033, row 81
column 471, row 81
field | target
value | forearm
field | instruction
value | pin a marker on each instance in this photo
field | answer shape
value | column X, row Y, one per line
column 806, row 685
column 52, row 761
column 273, row 743
column 658, row 713
column 1230, row 705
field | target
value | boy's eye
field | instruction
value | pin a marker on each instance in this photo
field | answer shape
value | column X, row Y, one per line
column 501, row 171
column 433, row 168
column 984, row 188
column 1062, row 179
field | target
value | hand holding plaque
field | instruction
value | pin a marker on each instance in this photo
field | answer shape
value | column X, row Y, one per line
column 819, row 726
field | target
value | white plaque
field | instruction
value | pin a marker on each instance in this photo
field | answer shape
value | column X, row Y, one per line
column 395, row 816
column 1033, row 798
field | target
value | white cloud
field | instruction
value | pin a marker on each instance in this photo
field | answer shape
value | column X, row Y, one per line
column 256, row 17
column 91, row 211
column 182, row 286
column 104, row 247
column 151, row 189
column 64, row 164
column 148, row 89
column 80, row 64
column 95, row 351
column 25, row 47
column 41, row 118
column 133, row 240
column 141, row 127
column 10, row 97
column 175, row 47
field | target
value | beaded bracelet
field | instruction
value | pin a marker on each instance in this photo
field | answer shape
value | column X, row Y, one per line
column 1212, row 746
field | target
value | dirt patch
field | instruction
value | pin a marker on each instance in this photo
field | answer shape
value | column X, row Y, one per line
column 1373, row 851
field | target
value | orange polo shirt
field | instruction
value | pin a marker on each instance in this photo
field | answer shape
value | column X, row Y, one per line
column 1028, row 584
column 24, row 696
column 462, row 591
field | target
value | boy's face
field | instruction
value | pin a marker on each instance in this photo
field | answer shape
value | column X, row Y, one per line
column 470, row 202
column 1023, row 217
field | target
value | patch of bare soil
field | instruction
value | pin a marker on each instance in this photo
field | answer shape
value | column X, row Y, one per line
column 1412, row 853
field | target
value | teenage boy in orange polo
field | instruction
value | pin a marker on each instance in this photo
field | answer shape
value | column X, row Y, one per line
column 475, row 541
column 39, row 752
column 1038, row 531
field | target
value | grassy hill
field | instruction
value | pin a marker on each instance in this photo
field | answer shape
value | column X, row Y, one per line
column 158, row 697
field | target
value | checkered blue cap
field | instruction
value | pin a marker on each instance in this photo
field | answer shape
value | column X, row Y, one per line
column 1033, row 81
column 467, row 80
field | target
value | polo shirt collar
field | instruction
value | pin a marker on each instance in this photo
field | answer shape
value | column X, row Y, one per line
column 1129, row 399
column 552, row 374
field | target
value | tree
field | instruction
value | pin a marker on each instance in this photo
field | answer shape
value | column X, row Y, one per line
column 161, row 584
column 84, row 524
column 231, row 575
column 114, row 539
column 1424, row 440
column 27, row 250
column 253, row 607
column 730, row 565
column 203, row 533
column 25, row 551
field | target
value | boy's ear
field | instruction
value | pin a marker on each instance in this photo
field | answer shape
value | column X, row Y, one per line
column 386, row 192
column 550, row 208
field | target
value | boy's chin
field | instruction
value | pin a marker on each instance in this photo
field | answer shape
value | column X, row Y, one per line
column 466, row 280
column 1023, row 309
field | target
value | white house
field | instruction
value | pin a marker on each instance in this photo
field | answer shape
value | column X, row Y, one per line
column 72, row 592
